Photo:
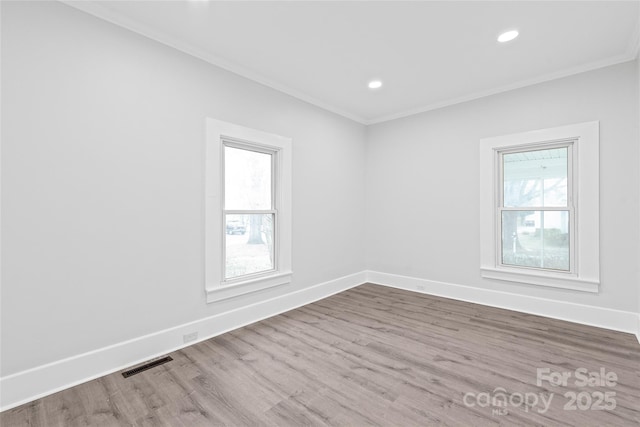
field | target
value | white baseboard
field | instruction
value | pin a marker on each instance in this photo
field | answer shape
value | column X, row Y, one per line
column 31, row 384
column 617, row 320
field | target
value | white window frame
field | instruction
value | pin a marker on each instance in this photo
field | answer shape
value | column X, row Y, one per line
column 570, row 208
column 583, row 203
column 218, row 135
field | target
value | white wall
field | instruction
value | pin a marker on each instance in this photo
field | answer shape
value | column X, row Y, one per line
column 638, row 282
column 102, row 174
column 102, row 184
column 423, row 171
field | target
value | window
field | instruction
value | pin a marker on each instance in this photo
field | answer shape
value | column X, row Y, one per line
column 535, row 208
column 248, row 210
column 539, row 207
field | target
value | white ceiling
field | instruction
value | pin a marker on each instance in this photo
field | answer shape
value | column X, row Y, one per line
column 428, row 54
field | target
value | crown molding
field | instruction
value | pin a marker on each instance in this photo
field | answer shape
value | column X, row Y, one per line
column 627, row 56
column 101, row 12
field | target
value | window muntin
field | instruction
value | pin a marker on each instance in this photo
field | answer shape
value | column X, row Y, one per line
column 249, row 213
column 535, row 214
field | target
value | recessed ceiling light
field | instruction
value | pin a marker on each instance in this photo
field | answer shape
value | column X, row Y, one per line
column 375, row 84
column 508, row 36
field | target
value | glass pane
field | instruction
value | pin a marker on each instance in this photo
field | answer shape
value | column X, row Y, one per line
column 247, row 179
column 536, row 239
column 535, row 178
column 248, row 244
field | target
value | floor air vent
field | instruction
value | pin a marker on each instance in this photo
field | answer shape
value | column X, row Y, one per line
column 148, row 365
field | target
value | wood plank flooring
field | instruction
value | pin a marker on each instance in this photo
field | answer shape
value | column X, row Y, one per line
column 370, row 356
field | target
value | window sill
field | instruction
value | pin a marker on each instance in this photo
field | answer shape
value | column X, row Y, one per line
column 541, row 279
column 225, row 292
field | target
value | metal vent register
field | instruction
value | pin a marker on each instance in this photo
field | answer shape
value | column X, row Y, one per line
column 146, row 366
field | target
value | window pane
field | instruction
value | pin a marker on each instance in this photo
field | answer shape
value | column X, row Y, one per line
column 249, row 244
column 247, row 179
column 535, row 178
column 536, row 239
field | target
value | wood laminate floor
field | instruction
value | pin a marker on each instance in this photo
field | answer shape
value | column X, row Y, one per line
column 368, row 356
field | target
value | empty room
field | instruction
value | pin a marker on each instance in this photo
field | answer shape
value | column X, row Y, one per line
column 311, row 213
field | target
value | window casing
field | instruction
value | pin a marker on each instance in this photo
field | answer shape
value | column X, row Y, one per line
column 539, row 207
column 248, row 211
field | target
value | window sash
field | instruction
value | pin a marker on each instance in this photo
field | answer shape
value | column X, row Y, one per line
column 249, row 276
column 571, row 231
column 570, row 208
column 569, row 144
column 257, row 148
